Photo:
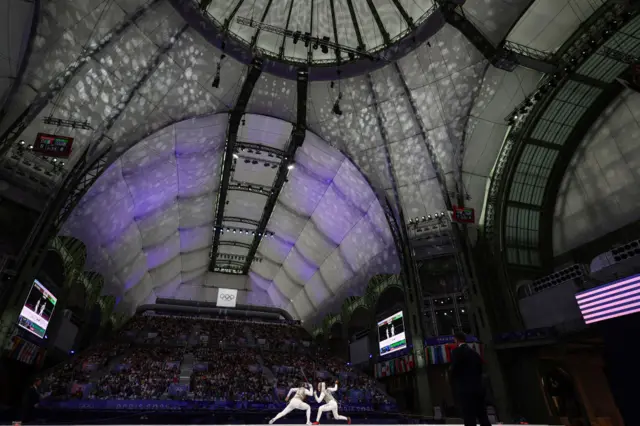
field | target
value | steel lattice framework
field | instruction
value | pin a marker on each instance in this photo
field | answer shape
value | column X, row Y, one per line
column 548, row 130
column 295, row 141
column 235, row 119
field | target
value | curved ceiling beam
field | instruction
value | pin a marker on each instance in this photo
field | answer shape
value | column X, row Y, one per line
column 254, row 39
column 561, row 165
column 295, row 141
column 235, row 118
column 58, row 83
column 585, row 81
column 433, row 20
column 376, row 17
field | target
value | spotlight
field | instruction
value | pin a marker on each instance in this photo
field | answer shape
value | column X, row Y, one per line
column 290, row 166
column 307, row 39
column 21, row 142
column 296, row 37
column 235, row 155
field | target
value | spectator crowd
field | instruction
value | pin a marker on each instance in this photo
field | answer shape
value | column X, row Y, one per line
column 224, row 359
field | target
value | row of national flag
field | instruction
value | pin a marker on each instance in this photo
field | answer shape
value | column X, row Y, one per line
column 436, row 354
column 394, row 366
column 441, row 354
column 24, row 351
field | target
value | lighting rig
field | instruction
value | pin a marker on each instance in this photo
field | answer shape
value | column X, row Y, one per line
column 22, row 148
column 243, row 231
column 237, row 257
column 323, row 43
column 61, row 122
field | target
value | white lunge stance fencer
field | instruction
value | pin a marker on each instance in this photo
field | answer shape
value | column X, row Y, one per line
column 297, row 402
column 331, row 404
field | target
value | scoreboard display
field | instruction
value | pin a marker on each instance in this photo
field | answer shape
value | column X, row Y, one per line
column 463, row 215
column 53, row 145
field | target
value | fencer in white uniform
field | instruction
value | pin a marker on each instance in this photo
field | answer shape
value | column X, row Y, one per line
column 330, row 403
column 297, row 402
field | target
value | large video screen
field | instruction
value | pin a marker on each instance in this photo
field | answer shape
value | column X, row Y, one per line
column 391, row 336
column 37, row 310
column 612, row 300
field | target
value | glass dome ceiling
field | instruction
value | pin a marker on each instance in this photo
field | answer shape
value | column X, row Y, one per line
column 352, row 25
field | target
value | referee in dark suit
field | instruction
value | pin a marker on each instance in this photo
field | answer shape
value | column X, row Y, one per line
column 30, row 401
column 465, row 373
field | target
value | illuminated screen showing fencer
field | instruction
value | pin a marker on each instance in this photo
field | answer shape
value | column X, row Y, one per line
column 391, row 334
column 37, row 310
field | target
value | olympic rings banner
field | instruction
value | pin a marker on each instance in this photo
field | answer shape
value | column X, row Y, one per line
column 143, row 405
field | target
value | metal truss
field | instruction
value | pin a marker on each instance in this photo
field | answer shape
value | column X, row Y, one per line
column 235, row 118
column 253, row 188
column 235, row 244
column 61, row 122
column 240, row 220
column 58, row 83
column 258, row 148
column 295, row 141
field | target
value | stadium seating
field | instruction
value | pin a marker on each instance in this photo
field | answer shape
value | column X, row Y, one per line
column 169, row 359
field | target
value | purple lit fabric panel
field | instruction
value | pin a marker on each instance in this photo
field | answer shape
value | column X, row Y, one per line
column 275, row 249
column 303, row 192
column 299, row 268
column 317, row 289
column 313, row 245
column 335, row 271
column 336, row 216
column 285, row 224
column 610, row 300
column 265, row 269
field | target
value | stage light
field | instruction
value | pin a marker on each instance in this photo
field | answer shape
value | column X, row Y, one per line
column 235, row 155
column 21, row 142
column 290, row 166
column 296, row 37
